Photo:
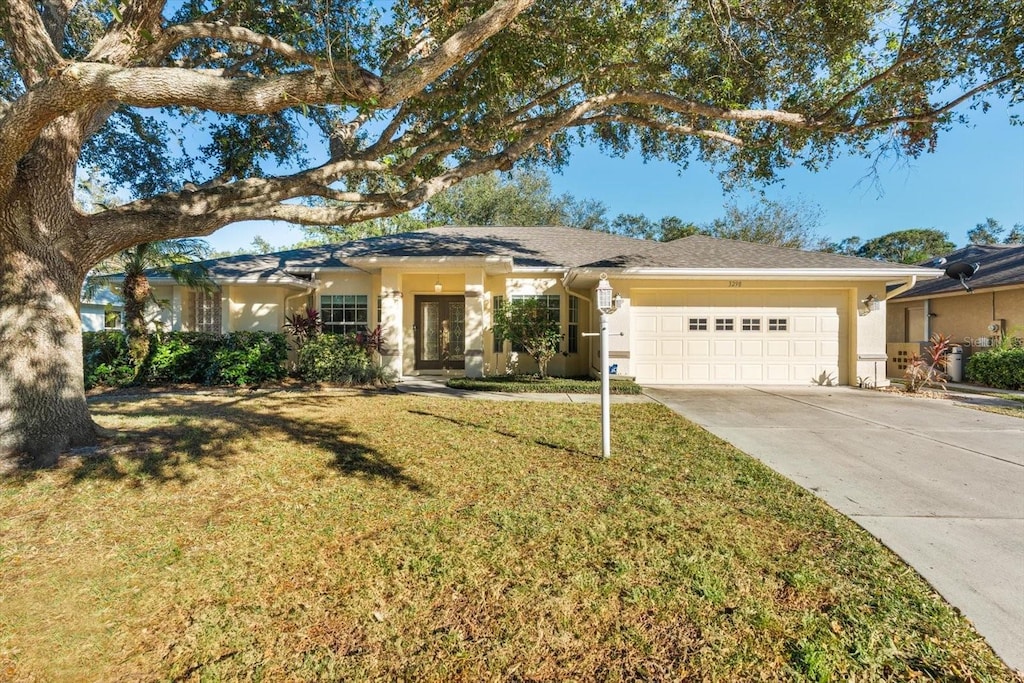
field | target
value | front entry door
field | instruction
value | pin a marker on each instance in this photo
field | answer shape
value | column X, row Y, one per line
column 440, row 332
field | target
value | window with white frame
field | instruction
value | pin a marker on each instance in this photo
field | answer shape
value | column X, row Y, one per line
column 204, row 313
column 778, row 324
column 751, row 324
column 572, row 342
column 698, row 324
column 344, row 313
column 496, row 303
column 724, row 324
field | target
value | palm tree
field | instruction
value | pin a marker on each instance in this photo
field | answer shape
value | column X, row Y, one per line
column 133, row 266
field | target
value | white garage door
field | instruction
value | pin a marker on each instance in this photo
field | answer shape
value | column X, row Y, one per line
column 735, row 338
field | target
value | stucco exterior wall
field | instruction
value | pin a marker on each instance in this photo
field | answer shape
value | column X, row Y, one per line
column 963, row 317
column 255, row 308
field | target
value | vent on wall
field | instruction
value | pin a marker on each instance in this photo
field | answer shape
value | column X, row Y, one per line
column 995, row 327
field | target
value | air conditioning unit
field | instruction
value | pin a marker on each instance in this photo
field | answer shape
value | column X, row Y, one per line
column 996, row 327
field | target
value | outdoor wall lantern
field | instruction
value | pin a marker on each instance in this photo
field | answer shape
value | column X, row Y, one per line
column 870, row 303
column 437, row 284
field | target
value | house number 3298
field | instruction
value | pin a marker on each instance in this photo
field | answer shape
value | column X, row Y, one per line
column 735, row 283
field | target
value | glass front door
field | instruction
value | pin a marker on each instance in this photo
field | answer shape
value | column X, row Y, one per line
column 440, row 332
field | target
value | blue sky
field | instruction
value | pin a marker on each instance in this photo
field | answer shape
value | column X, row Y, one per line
column 976, row 172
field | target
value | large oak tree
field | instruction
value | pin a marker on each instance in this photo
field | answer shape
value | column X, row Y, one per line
column 208, row 112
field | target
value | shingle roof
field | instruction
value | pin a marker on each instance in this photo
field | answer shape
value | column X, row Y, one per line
column 556, row 247
column 701, row 252
column 1001, row 265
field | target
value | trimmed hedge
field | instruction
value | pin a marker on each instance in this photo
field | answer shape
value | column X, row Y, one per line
column 1000, row 368
column 548, row 385
column 339, row 358
column 187, row 358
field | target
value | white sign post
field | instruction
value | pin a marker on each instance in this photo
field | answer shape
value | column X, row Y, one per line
column 606, row 305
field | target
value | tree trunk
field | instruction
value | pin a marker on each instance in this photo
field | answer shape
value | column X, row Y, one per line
column 42, row 388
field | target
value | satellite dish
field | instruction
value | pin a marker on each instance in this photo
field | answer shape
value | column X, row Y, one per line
column 963, row 271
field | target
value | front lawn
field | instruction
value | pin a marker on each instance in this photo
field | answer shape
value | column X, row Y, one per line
column 549, row 385
column 305, row 536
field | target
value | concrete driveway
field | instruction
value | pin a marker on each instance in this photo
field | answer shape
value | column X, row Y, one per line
column 942, row 485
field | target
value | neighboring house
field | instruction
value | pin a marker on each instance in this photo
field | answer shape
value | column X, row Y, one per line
column 975, row 320
column 694, row 311
column 100, row 311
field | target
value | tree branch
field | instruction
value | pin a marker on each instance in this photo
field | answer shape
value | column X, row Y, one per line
column 174, row 35
column 32, row 50
column 418, row 75
column 673, row 128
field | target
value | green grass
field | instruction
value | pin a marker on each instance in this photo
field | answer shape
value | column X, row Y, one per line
column 549, row 385
column 383, row 537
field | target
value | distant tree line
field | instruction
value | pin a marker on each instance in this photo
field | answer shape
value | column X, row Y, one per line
column 527, row 198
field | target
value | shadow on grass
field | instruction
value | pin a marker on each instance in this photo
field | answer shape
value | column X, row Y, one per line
column 511, row 435
column 209, row 434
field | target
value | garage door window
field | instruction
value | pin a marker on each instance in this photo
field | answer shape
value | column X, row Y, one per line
column 751, row 324
column 724, row 324
column 778, row 324
column 698, row 324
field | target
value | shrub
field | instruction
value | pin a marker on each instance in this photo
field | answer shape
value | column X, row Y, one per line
column 106, row 360
column 182, row 357
column 1001, row 368
column 928, row 370
column 339, row 358
column 186, row 358
column 248, row 358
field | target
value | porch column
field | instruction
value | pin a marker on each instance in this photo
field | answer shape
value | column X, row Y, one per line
column 475, row 323
column 391, row 320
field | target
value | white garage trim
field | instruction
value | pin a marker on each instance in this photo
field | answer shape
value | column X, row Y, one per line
column 753, row 337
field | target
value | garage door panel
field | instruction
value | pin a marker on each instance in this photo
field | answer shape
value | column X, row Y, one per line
column 725, row 347
column 776, row 337
column 752, row 373
column 751, row 348
column 724, row 372
column 805, row 324
column 698, row 372
column 670, row 348
column 647, row 348
column 804, row 348
column 646, row 324
column 777, row 348
column 698, row 348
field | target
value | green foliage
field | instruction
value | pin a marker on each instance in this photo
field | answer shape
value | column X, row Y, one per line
column 781, row 224
column 106, row 359
column 248, row 357
column 549, row 385
column 528, row 323
column 186, row 358
column 340, row 358
column 907, row 246
column 999, row 368
column 182, row 357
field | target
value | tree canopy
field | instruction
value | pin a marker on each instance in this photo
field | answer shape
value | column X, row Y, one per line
column 903, row 246
column 205, row 113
